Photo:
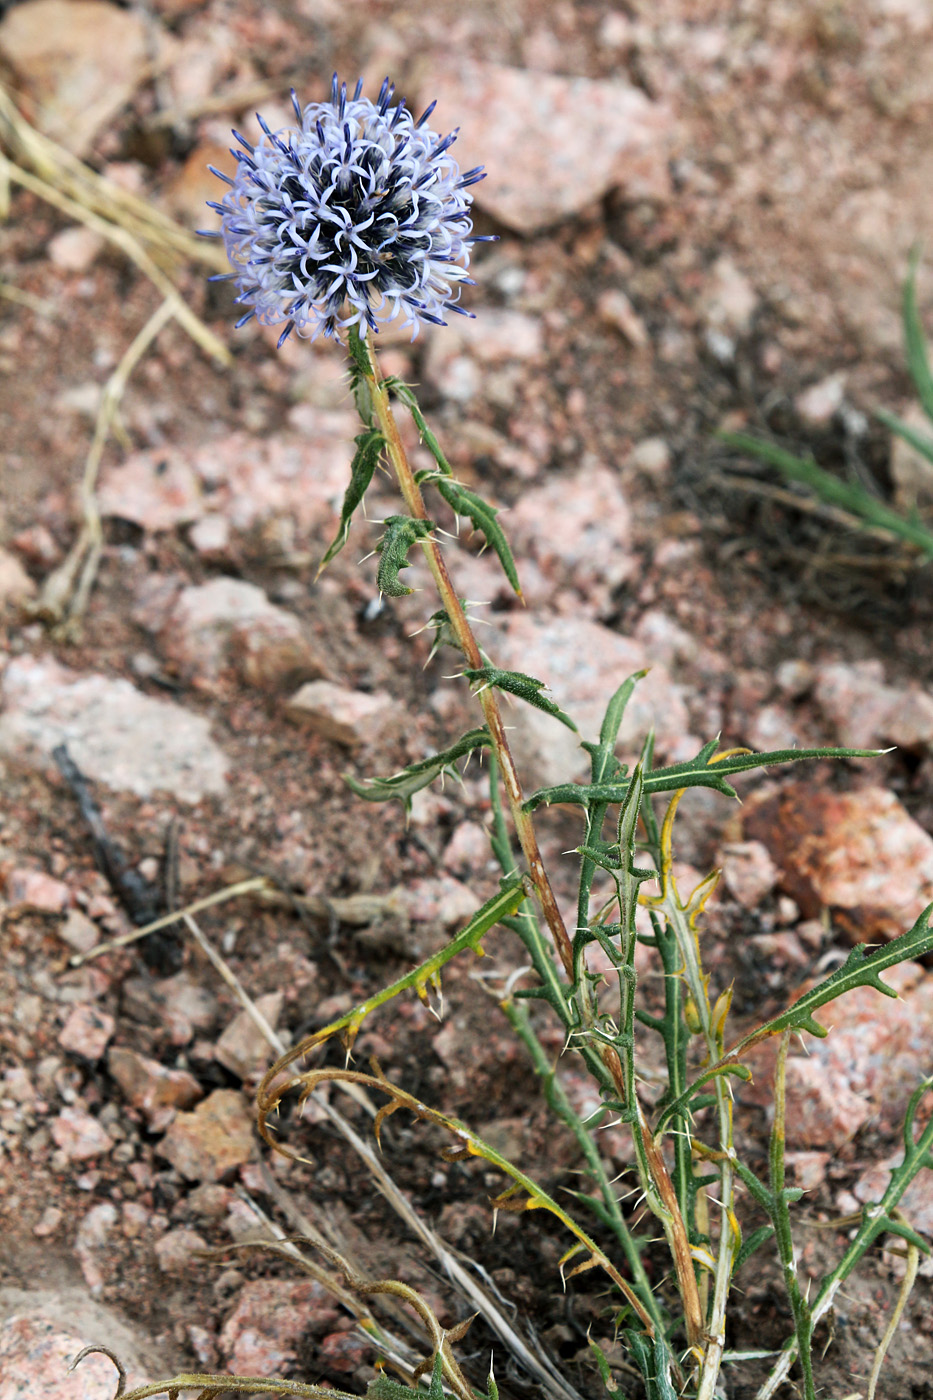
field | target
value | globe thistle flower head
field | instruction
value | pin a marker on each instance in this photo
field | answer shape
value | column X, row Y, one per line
column 355, row 216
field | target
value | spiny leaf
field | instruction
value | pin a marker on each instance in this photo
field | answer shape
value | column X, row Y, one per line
column 384, row 1388
column 755, row 1240
column 361, row 377
column 401, row 533
column 525, row 687
column 482, row 516
column 419, row 775
column 369, row 447
column 359, row 352
column 605, row 1373
column 406, row 395
column 697, row 772
column 860, row 969
column 653, row 1359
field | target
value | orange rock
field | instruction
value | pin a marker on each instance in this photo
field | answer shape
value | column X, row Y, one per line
column 859, row 854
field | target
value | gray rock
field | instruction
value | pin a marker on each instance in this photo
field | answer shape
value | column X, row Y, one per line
column 117, row 736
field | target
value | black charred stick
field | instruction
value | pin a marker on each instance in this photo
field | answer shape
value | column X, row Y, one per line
column 139, row 897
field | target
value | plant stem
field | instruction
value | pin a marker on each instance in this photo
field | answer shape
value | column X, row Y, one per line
column 780, row 1215
column 876, row 1220
column 560, row 1105
column 524, row 826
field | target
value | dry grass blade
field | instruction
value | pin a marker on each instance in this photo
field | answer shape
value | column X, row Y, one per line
column 19, row 297
column 536, row 1362
column 356, row 910
column 60, row 593
column 910, row 1278
column 391, row 1347
column 275, row 1042
column 129, row 244
column 60, row 169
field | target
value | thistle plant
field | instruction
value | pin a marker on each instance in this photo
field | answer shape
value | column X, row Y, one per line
column 354, row 217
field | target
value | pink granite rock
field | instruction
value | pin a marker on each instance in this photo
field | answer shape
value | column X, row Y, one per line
column 348, row 717
column 35, row 1355
column 578, row 529
column 867, row 713
column 554, row 144
column 33, row 889
column 151, row 1087
column 79, row 1136
column 242, row 1047
column 211, row 1142
column 117, row 735
column 153, row 489
column 87, row 1032
column 261, row 1335
column 748, row 871
column 175, row 1248
column 92, row 1245
column 229, row 622
column 81, row 61
column 875, row 1055
column 583, row 663
column 15, row 584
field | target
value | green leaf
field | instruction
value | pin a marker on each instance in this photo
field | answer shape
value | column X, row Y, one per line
column 653, row 1359
column 406, row 395
column 403, row 786
column 696, row 772
column 525, row 687
column 833, row 489
column 482, row 516
column 369, row 447
column 602, row 1365
column 860, row 969
column 401, row 533
column 915, row 341
column 359, row 352
column 361, row 376
column 755, row 1240
column 384, row 1388
column 917, row 440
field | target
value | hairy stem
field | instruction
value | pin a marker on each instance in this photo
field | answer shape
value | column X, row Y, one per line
column 524, row 826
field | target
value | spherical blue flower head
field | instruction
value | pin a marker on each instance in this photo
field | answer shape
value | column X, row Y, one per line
column 354, row 217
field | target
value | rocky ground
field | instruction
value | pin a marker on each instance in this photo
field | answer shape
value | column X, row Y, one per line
column 704, row 216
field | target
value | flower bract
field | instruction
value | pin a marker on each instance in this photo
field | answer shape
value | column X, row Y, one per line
column 355, row 216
